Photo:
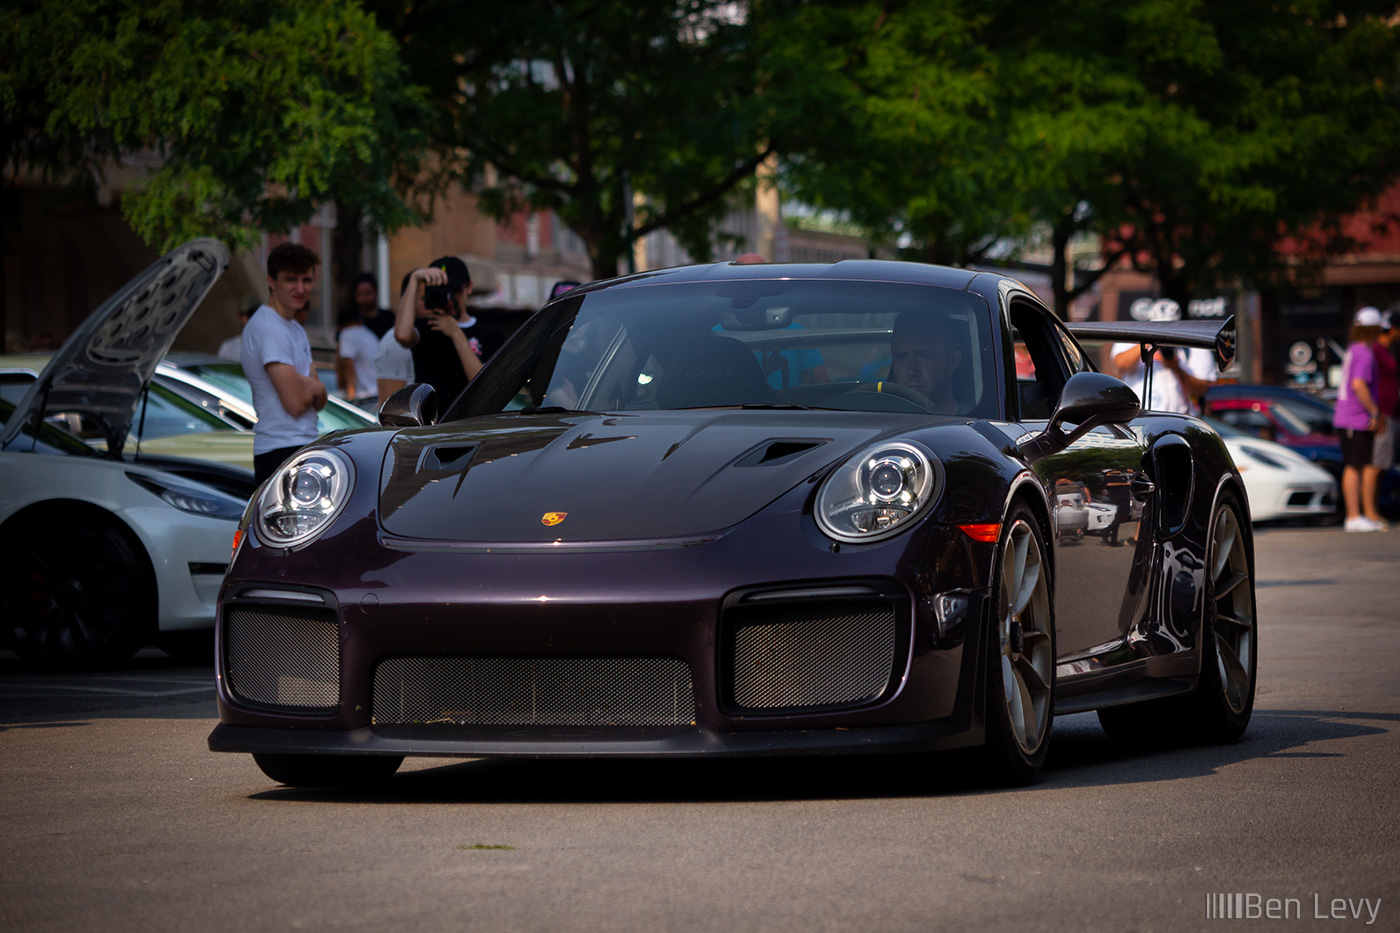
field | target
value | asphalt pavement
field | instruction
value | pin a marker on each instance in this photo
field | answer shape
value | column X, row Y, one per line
column 116, row 817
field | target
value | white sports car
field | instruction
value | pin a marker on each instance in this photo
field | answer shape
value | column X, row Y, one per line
column 1279, row 482
column 103, row 551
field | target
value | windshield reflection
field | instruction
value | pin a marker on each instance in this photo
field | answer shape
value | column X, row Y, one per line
column 755, row 344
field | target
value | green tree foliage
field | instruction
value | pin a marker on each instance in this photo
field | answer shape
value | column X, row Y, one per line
column 249, row 113
column 887, row 113
column 622, row 118
column 1191, row 135
column 1251, row 120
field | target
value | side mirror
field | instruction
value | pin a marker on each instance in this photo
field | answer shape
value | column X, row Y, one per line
column 413, row 406
column 1087, row 401
column 1092, row 399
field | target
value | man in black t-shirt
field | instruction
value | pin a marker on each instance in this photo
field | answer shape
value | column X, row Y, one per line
column 445, row 356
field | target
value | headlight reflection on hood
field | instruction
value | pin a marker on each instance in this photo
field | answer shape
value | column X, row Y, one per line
column 874, row 494
column 304, row 497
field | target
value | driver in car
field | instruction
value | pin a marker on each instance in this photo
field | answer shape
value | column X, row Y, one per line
column 923, row 359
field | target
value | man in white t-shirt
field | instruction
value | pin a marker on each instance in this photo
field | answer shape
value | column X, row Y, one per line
column 276, row 358
column 1179, row 378
column 356, row 346
column 232, row 348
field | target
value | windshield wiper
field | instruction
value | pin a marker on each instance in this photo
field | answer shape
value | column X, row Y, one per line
column 546, row 410
column 785, row 406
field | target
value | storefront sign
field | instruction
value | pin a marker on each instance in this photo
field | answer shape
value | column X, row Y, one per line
column 1300, row 359
column 1146, row 306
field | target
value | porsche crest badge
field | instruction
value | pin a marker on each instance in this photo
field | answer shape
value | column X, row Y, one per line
column 553, row 518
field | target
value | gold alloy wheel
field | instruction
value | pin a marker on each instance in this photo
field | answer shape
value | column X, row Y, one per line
column 1027, row 652
column 1233, row 611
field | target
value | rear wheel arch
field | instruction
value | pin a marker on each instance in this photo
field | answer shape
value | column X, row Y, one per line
column 1233, row 488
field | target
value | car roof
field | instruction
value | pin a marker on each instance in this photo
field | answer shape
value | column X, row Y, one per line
column 867, row 270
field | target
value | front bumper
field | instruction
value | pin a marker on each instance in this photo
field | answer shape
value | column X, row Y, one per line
column 461, row 608
column 955, row 731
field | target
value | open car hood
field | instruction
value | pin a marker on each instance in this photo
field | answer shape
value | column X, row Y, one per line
column 105, row 366
column 595, row 477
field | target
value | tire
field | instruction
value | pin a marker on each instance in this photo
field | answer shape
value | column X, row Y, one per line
column 1021, row 660
column 328, row 770
column 1218, row 709
column 78, row 593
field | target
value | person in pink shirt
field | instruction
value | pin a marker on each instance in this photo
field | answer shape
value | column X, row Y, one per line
column 1358, row 419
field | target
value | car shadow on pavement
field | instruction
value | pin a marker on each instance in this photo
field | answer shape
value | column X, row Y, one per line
column 1082, row 755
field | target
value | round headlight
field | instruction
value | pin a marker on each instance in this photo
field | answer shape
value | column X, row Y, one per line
column 304, row 497
column 874, row 494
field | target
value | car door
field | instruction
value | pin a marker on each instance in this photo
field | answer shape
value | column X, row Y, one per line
column 1095, row 560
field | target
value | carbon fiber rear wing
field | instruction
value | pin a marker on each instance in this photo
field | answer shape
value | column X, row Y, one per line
column 1216, row 336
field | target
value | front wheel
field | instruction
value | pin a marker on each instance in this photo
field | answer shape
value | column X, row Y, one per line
column 77, row 593
column 1021, row 668
column 328, row 770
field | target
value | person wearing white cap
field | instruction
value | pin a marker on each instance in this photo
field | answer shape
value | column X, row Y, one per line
column 1358, row 419
column 1387, row 398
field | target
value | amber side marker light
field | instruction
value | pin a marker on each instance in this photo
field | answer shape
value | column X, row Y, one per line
column 987, row 534
column 237, row 537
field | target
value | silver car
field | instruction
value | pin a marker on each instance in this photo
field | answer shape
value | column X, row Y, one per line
column 105, row 552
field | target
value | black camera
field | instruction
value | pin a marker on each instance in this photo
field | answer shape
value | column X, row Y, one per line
column 438, row 298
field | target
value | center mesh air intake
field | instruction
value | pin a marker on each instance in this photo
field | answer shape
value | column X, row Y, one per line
column 504, row 691
column 801, row 656
column 282, row 657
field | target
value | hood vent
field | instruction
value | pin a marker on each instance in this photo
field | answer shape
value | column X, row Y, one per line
column 780, row 450
column 446, row 458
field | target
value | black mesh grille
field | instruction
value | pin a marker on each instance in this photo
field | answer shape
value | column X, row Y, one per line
column 281, row 657
column 794, row 657
column 534, row 691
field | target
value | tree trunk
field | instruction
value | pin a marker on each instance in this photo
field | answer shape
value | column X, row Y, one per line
column 1060, row 236
column 1178, row 288
column 347, row 245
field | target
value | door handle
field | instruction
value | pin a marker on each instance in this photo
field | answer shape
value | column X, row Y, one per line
column 1142, row 486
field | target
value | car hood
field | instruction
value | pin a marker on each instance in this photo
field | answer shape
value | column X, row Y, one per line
column 107, row 363
column 600, row 477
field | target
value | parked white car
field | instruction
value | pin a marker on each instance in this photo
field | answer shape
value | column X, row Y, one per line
column 220, row 385
column 104, row 553
column 1279, row 482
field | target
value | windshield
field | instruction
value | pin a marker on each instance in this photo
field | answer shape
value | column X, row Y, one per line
column 1225, row 430
column 855, row 346
column 49, row 439
column 1304, row 419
